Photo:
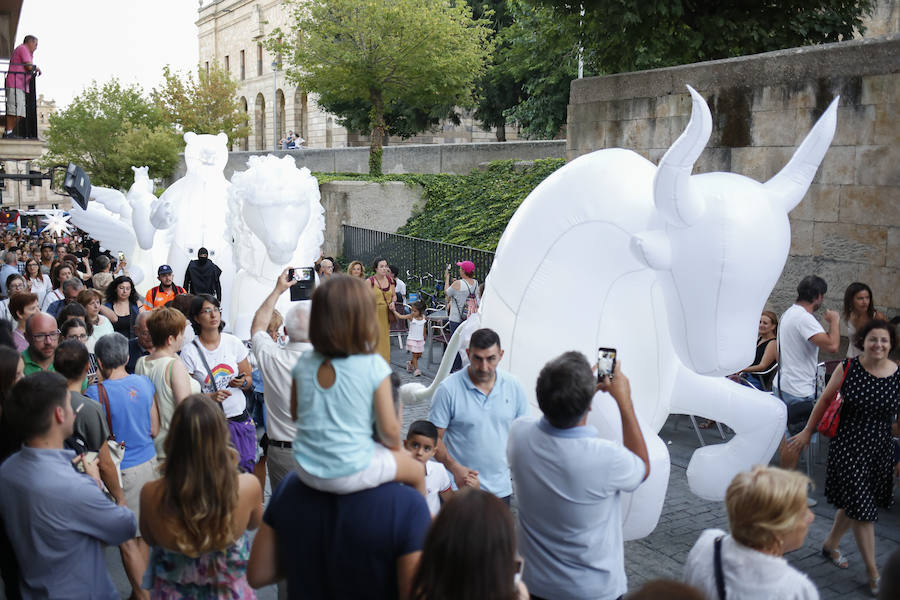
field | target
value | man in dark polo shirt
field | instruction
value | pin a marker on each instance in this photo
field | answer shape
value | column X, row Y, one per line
column 361, row 545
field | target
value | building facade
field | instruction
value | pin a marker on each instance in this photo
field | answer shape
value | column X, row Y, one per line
column 21, row 195
column 232, row 33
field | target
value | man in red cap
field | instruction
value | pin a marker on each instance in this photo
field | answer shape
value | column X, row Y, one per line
column 462, row 298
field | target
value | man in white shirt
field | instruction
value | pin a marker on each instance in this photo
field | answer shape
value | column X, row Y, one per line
column 800, row 336
column 275, row 365
column 569, row 481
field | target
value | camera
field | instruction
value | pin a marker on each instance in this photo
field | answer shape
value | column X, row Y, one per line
column 306, row 283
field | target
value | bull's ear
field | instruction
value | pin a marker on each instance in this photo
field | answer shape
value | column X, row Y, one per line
column 653, row 249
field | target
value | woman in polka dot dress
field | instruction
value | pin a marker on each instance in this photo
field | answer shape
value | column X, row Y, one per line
column 861, row 462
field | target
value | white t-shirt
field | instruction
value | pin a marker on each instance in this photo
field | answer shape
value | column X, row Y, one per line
column 223, row 362
column 103, row 327
column 400, row 287
column 749, row 574
column 275, row 365
column 797, row 356
column 437, row 480
column 417, row 330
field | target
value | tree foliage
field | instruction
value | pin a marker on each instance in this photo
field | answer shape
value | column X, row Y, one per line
column 108, row 128
column 207, row 104
column 617, row 36
column 499, row 88
column 384, row 54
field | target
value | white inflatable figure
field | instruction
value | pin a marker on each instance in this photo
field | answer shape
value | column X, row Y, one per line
column 276, row 219
column 108, row 219
column 192, row 211
column 669, row 268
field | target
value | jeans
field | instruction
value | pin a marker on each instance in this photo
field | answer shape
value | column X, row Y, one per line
column 798, row 409
column 457, row 361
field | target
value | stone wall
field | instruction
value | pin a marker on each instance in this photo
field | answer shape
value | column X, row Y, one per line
column 379, row 206
column 457, row 159
column 848, row 226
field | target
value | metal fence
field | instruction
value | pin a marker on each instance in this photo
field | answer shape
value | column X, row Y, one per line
column 14, row 100
column 418, row 256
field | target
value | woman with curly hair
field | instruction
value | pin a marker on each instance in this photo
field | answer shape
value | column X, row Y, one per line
column 123, row 300
column 196, row 516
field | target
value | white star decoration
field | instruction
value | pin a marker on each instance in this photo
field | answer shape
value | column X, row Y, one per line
column 57, row 223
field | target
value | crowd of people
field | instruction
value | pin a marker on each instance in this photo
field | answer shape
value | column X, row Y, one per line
column 160, row 430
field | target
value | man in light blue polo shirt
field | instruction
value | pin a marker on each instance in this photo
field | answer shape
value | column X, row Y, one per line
column 473, row 410
column 569, row 482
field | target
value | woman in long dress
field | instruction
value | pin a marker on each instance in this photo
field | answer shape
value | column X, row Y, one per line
column 385, row 296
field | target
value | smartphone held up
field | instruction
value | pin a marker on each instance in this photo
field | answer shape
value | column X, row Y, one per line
column 606, row 363
column 306, row 282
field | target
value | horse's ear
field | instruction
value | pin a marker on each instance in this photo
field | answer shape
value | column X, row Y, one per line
column 653, row 249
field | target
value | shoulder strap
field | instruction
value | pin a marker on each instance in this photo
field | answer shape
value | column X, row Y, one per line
column 104, row 400
column 720, row 575
column 212, row 380
column 155, row 291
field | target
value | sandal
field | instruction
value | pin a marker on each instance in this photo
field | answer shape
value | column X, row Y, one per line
column 836, row 557
column 418, row 373
column 874, row 585
column 409, row 368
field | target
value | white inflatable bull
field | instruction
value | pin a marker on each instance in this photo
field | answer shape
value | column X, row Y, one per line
column 673, row 270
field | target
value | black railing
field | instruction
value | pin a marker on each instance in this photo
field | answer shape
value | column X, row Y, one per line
column 14, row 100
column 416, row 255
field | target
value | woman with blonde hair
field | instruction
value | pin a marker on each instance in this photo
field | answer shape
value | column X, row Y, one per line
column 767, row 516
column 196, row 516
column 165, row 369
column 356, row 269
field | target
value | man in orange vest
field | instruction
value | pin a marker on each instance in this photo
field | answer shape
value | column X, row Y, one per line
column 165, row 291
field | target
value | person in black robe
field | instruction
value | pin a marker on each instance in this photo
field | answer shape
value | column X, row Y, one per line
column 202, row 276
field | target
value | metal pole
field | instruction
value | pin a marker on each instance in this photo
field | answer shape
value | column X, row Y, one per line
column 275, row 105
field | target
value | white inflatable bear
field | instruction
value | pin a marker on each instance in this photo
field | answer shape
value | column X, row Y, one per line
column 193, row 210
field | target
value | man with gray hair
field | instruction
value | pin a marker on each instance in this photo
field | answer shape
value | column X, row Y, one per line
column 275, row 364
column 141, row 344
column 10, row 267
column 70, row 289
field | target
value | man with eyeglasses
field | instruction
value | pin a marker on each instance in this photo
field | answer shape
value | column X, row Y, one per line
column 43, row 336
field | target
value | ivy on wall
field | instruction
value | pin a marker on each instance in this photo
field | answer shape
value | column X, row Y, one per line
column 469, row 210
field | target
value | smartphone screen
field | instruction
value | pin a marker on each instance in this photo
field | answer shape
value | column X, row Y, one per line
column 606, row 362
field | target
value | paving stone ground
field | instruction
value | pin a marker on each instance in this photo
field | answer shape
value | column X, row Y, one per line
column 684, row 517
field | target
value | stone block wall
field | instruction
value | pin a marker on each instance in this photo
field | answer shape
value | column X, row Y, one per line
column 848, row 226
column 379, row 206
column 457, row 159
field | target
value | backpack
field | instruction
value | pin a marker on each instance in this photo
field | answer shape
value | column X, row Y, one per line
column 470, row 307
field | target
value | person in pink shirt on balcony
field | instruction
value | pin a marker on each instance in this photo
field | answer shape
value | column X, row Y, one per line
column 21, row 65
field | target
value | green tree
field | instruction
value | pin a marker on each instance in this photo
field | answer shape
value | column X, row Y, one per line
column 383, row 54
column 499, row 89
column 618, row 36
column 207, row 104
column 106, row 129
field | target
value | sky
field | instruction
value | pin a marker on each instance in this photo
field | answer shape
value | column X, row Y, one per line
column 84, row 40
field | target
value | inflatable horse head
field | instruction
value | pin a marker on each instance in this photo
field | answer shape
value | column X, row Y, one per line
column 723, row 244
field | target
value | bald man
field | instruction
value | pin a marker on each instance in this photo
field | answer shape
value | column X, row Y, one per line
column 43, row 336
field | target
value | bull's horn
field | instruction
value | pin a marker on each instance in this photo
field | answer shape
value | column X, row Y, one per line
column 672, row 192
column 443, row 369
column 791, row 183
